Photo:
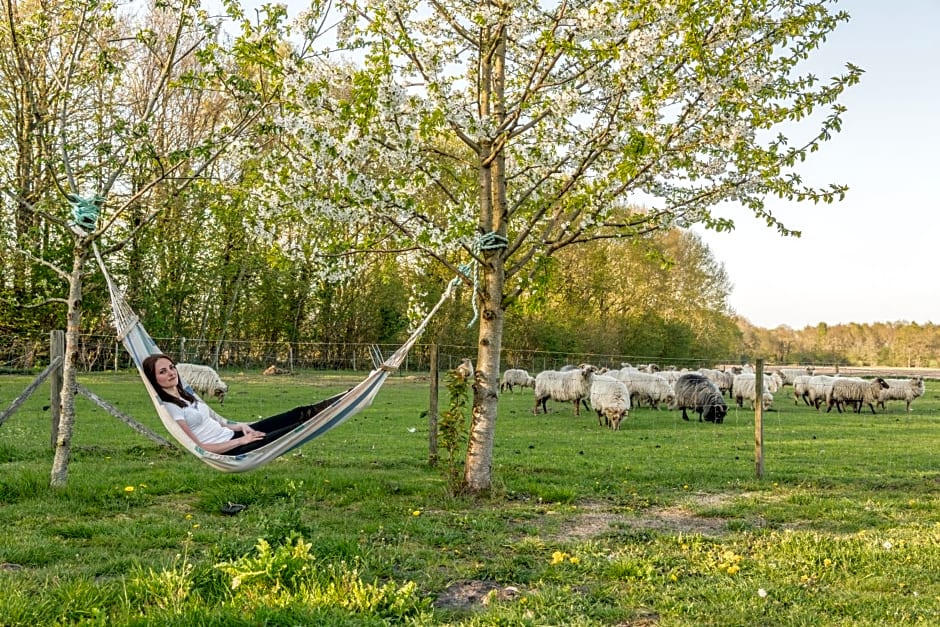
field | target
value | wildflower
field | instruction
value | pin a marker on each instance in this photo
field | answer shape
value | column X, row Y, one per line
column 887, row 545
column 734, row 568
column 827, row 562
column 129, row 488
column 417, row 512
column 189, row 516
column 761, row 593
column 558, row 557
column 574, row 560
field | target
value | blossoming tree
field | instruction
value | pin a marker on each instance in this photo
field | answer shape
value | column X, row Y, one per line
column 507, row 130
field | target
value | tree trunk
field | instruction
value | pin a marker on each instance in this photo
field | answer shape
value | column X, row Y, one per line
column 479, row 465
column 63, row 443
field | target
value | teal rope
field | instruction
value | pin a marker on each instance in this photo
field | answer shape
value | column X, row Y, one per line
column 85, row 211
column 487, row 241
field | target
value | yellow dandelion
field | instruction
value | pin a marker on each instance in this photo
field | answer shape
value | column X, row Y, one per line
column 189, row 516
column 558, row 557
column 417, row 512
column 129, row 488
column 733, row 569
column 196, row 525
column 673, row 577
column 574, row 560
column 827, row 562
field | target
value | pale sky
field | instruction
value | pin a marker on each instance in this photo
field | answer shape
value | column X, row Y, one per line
column 868, row 258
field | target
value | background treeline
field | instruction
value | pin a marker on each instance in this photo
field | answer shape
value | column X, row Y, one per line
column 662, row 299
column 209, row 262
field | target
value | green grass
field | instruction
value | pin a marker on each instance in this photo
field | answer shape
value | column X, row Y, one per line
column 663, row 522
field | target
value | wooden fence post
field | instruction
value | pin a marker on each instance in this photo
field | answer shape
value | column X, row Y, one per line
column 759, row 419
column 432, row 407
column 56, row 349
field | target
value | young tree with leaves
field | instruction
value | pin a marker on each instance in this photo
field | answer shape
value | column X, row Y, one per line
column 512, row 130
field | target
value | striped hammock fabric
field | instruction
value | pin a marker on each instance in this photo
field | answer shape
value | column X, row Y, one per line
column 331, row 413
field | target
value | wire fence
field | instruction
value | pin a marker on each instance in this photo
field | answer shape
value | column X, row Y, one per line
column 100, row 352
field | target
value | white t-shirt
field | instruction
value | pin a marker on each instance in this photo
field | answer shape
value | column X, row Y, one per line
column 201, row 421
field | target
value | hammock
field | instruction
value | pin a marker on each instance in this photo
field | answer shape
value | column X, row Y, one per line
column 329, row 413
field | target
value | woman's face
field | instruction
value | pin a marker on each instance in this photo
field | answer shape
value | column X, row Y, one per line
column 165, row 373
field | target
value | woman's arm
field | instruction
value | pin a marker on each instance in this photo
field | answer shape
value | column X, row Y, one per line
column 221, row 447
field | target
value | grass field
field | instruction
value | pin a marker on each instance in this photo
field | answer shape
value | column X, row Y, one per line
column 661, row 523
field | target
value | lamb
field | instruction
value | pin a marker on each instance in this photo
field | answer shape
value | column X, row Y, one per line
column 204, row 380
column 571, row 385
column 610, row 398
column 856, row 391
column 901, row 390
column 694, row 391
column 744, row 387
column 516, row 376
column 650, row 388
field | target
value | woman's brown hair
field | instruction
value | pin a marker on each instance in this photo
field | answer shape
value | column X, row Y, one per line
column 149, row 366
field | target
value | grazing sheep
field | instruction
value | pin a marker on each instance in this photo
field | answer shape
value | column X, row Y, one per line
column 801, row 389
column 857, row 392
column 744, row 387
column 901, row 390
column 570, row 385
column 722, row 379
column 652, row 389
column 516, row 376
column 610, row 398
column 694, row 391
column 203, row 380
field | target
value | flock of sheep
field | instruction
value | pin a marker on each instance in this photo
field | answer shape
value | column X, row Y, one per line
column 613, row 392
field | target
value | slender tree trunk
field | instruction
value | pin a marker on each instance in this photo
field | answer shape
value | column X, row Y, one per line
column 478, row 474
column 63, row 444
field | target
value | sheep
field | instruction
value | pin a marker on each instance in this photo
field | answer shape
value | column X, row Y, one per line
column 801, row 388
column 819, row 389
column 650, row 388
column 610, row 398
column 789, row 374
column 744, row 387
column 516, row 376
column 203, row 380
column 694, row 391
column 464, row 370
column 720, row 378
column 901, row 390
column 571, row 385
column 856, row 391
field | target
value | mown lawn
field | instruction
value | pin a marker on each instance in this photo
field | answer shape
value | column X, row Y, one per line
column 661, row 523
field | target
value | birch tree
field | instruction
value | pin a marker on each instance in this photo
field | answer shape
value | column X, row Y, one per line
column 503, row 131
column 109, row 147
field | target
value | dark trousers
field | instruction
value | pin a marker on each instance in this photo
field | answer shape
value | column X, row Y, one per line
column 282, row 424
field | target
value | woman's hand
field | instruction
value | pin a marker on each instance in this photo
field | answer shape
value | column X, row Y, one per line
column 251, row 435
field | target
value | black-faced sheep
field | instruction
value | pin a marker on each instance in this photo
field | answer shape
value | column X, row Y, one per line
column 568, row 386
column 694, row 391
column 516, row 377
column 203, row 380
column 610, row 399
column 856, row 392
column 901, row 390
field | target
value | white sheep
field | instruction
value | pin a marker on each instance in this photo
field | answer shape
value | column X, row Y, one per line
column 901, row 390
column 694, row 391
column 721, row 378
column 568, row 386
column 789, row 374
column 652, row 389
column 464, row 370
column 801, row 388
column 610, row 398
column 203, row 380
column 819, row 389
column 856, row 392
column 744, row 388
column 516, row 376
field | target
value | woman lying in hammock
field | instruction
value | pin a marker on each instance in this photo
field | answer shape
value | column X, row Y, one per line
column 205, row 427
